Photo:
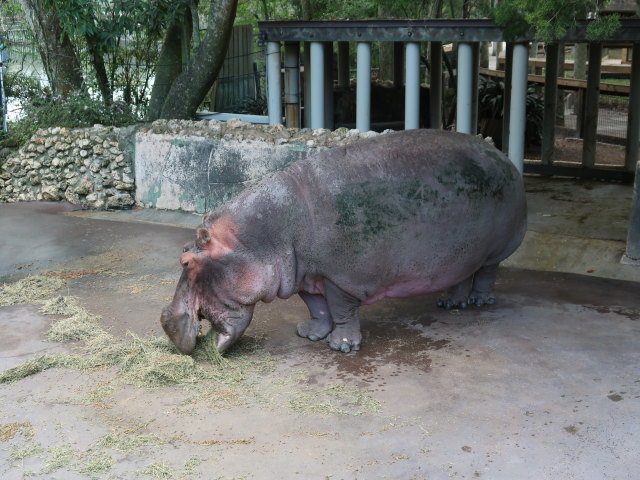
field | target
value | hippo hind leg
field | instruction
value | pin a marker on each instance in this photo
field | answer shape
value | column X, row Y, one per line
column 483, row 282
column 321, row 322
column 475, row 290
column 457, row 296
column 344, row 307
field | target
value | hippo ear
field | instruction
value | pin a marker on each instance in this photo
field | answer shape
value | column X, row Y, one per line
column 213, row 246
column 203, row 238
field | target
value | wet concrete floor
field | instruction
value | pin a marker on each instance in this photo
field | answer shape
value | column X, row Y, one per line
column 543, row 385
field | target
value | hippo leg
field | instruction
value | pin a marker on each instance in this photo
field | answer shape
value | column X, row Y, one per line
column 321, row 323
column 483, row 281
column 346, row 334
column 457, row 296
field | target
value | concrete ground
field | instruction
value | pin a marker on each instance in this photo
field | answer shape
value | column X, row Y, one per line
column 545, row 384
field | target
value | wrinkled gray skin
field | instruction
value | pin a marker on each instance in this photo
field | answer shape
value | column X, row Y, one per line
column 399, row 215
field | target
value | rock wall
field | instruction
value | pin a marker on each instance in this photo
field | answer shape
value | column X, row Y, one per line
column 92, row 167
column 170, row 164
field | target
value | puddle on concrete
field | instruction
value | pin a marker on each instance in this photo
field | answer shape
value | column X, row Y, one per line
column 630, row 313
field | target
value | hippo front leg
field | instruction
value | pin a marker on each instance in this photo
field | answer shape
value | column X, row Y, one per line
column 344, row 308
column 321, row 323
column 483, row 282
column 457, row 296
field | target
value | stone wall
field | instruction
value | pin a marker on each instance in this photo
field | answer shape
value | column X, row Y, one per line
column 92, row 167
column 197, row 166
column 170, row 164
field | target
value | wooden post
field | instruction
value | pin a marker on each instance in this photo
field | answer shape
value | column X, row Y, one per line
column 435, row 86
column 506, row 104
column 343, row 65
column 292, row 84
column 550, row 97
column 474, row 88
column 398, row 64
column 328, row 85
column 591, row 106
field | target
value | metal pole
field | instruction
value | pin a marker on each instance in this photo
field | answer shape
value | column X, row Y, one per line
column 517, row 117
column 550, row 103
column 316, row 78
column 591, row 106
column 363, row 87
column 633, row 122
column 292, row 84
column 274, row 84
column 632, row 254
column 465, row 84
column 412, row 86
column 435, row 86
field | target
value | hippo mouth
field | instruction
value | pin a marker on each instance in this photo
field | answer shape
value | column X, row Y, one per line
column 222, row 330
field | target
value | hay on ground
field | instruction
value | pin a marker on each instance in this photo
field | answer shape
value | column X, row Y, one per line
column 29, row 290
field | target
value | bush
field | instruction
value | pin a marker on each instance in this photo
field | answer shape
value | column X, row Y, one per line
column 491, row 102
column 41, row 109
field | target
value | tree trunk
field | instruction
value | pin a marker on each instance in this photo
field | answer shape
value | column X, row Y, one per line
column 307, row 10
column 191, row 86
column 56, row 50
column 386, row 70
column 97, row 60
column 168, row 69
column 195, row 23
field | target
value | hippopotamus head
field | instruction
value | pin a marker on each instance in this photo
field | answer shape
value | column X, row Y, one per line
column 220, row 282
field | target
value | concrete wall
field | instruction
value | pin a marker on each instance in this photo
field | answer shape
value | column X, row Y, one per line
column 197, row 174
column 197, row 166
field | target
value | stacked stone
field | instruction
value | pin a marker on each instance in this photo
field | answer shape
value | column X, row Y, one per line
column 92, row 167
column 86, row 167
column 236, row 129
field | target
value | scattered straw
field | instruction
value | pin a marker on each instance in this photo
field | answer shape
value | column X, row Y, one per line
column 128, row 442
column 236, row 441
column 29, row 290
column 158, row 470
column 10, row 430
column 244, row 375
column 60, row 456
column 94, row 463
column 78, row 325
column 39, row 364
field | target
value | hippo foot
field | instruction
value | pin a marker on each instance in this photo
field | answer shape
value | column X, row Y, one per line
column 479, row 299
column 450, row 303
column 313, row 330
column 341, row 341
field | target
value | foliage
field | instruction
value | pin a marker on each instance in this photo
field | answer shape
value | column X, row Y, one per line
column 44, row 110
column 491, row 105
column 550, row 20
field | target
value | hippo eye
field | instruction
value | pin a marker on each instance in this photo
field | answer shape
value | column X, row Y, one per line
column 189, row 247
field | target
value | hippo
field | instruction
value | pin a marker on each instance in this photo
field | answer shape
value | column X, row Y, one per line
column 398, row 215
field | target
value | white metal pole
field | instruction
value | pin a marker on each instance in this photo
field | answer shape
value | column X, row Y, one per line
column 316, row 78
column 274, row 84
column 517, row 116
column 412, row 86
column 363, row 87
column 465, row 86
